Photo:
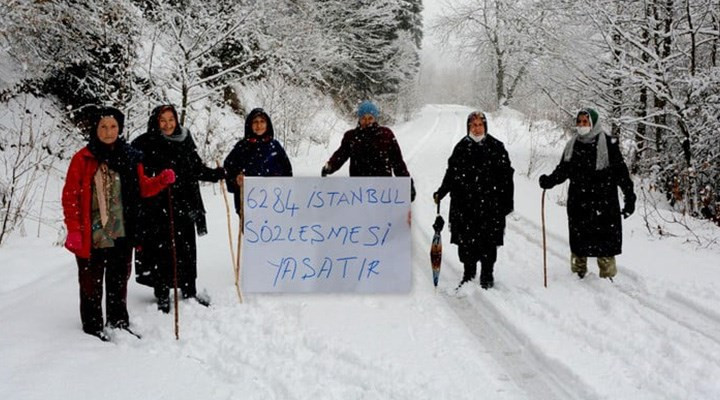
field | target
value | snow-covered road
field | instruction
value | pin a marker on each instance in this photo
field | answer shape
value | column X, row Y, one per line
column 653, row 334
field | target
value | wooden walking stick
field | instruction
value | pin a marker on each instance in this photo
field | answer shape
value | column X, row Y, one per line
column 241, row 184
column 230, row 240
column 174, row 262
column 544, row 242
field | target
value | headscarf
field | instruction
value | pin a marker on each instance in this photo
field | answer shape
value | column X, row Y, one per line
column 602, row 159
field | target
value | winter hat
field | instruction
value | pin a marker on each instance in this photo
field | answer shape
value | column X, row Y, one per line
column 367, row 107
column 591, row 113
column 102, row 111
column 269, row 132
column 472, row 116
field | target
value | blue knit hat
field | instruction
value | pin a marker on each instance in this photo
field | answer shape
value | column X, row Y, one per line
column 367, row 107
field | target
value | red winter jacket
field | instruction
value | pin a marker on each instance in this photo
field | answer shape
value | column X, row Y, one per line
column 77, row 195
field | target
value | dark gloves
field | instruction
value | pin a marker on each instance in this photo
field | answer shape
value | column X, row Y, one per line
column 412, row 190
column 219, row 173
column 325, row 170
column 545, row 182
column 437, row 197
column 629, row 207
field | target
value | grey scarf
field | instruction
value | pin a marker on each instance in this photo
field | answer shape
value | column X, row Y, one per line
column 602, row 160
column 178, row 136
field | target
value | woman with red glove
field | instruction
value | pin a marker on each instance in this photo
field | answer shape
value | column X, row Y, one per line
column 167, row 144
column 100, row 199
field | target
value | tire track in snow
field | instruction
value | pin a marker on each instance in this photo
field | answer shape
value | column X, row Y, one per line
column 671, row 306
column 540, row 376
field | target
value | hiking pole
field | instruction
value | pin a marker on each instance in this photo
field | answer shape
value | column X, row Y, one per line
column 544, row 242
column 229, row 227
column 241, row 222
column 174, row 262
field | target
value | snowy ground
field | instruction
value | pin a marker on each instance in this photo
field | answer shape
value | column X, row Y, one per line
column 653, row 334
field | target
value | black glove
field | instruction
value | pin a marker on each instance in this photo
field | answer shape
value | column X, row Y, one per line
column 545, row 182
column 325, row 170
column 219, row 173
column 436, row 197
column 628, row 209
column 412, row 191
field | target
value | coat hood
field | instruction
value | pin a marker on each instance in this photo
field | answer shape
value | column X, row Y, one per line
column 249, row 134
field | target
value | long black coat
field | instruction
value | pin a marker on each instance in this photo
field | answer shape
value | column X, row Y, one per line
column 593, row 207
column 153, row 264
column 479, row 179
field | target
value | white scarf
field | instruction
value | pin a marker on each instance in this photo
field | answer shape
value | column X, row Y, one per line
column 602, row 160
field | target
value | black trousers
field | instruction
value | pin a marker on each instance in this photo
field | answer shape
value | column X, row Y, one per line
column 114, row 265
column 471, row 254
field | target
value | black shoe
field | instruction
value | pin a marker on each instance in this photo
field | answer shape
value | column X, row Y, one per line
column 100, row 335
column 164, row 304
column 462, row 282
column 203, row 300
column 487, row 284
column 581, row 274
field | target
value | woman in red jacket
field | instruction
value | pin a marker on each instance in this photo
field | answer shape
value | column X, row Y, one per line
column 100, row 200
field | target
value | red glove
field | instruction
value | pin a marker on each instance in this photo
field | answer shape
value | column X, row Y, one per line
column 167, row 176
column 73, row 242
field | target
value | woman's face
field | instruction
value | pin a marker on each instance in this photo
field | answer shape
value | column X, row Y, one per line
column 167, row 123
column 477, row 126
column 259, row 125
column 583, row 120
column 366, row 120
column 108, row 130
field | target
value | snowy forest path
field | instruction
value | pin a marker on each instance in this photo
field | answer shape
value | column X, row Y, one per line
column 671, row 305
column 526, row 366
column 545, row 338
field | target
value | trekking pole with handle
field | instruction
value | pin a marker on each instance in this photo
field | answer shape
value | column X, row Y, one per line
column 173, row 249
column 543, row 237
column 229, row 227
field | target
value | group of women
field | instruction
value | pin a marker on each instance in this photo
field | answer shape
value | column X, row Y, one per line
column 119, row 197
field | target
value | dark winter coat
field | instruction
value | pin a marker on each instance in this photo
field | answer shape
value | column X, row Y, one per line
column 479, row 179
column 153, row 265
column 373, row 151
column 255, row 155
column 182, row 157
column 77, row 191
column 593, row 207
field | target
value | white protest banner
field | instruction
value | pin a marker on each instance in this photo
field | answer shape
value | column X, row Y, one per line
column 326, row 235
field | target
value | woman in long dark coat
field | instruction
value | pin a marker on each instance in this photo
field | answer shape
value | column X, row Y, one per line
column 256, row 154
column 479, row 179
column 166, row 144
column 593, row 163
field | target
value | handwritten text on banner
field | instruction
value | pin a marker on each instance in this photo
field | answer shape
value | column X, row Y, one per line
column 326, row 235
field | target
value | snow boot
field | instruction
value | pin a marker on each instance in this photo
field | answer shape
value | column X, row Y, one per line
column 100, row 335
column 581, row 274
column 487, row 284
column 163, row 304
